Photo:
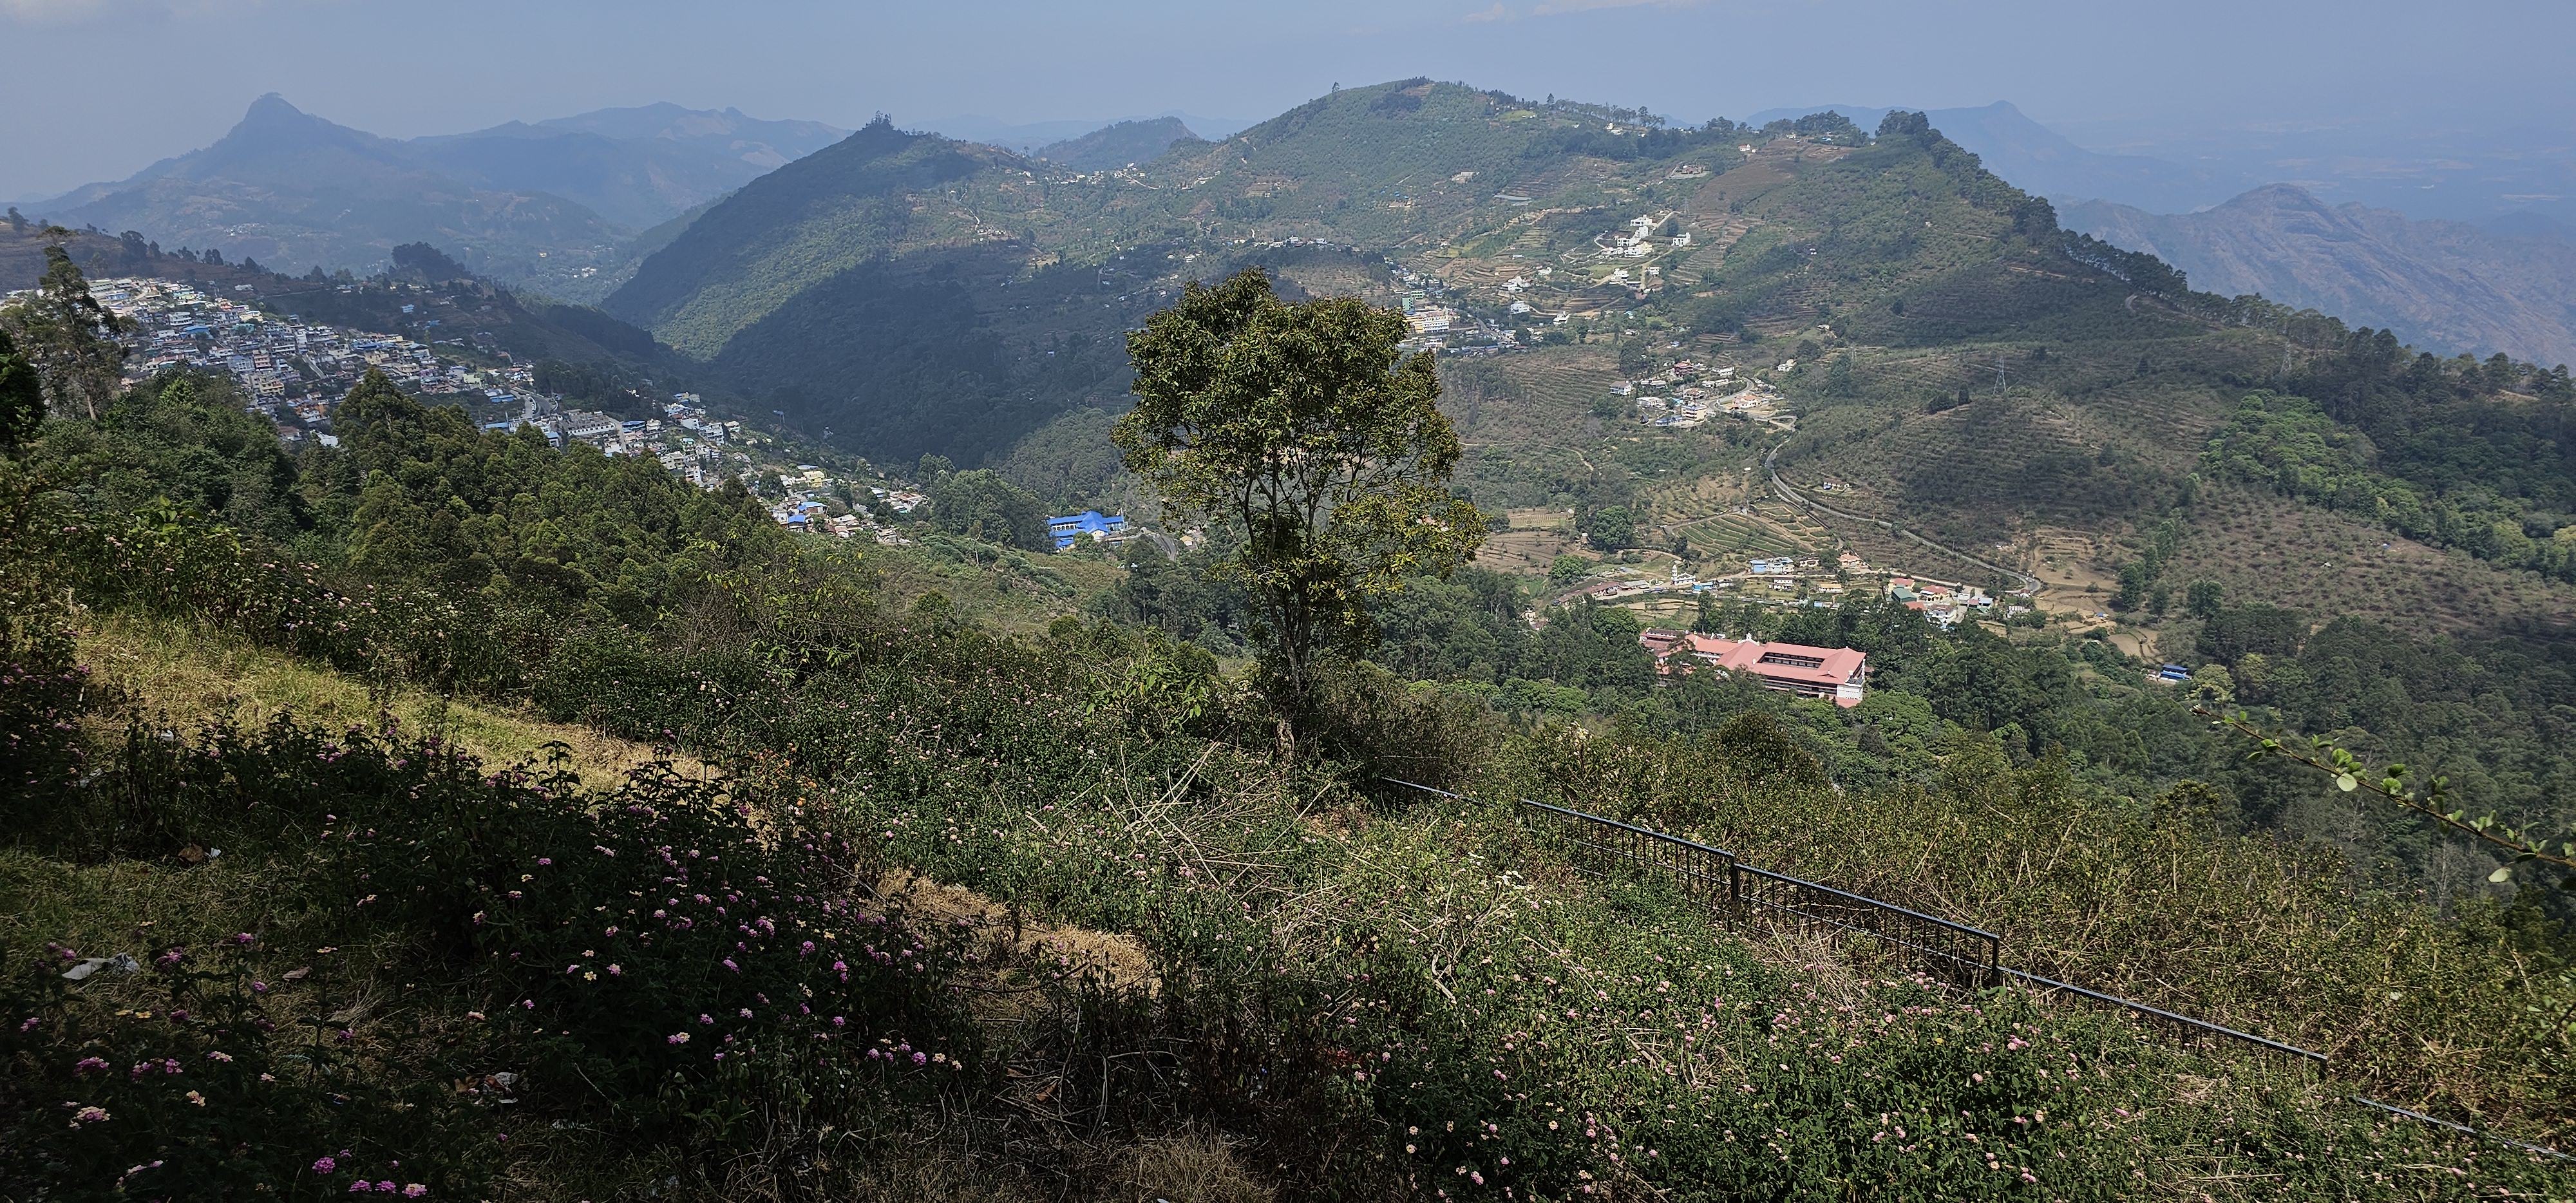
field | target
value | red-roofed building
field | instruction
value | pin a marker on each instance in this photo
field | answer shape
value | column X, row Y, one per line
column 1834, row 673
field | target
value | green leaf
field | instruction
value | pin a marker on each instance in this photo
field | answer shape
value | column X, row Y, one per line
column 2503, row 874
column 2346, row 782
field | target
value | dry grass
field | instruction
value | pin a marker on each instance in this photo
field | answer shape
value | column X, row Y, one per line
column 154, row 668
column 1016, row 948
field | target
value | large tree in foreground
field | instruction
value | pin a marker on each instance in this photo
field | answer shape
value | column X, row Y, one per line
column 1305, row 429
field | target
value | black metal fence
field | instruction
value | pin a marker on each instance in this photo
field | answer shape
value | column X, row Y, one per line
column 1704, row 872
column 1964, row 955
column 1955, row 952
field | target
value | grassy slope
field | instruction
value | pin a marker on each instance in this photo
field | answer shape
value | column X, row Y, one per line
column 193, row 675
column 1783, row 1042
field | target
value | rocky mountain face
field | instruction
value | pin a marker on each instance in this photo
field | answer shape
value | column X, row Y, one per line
column 2444, row 285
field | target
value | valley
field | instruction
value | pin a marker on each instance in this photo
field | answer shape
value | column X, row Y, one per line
column 688, row 683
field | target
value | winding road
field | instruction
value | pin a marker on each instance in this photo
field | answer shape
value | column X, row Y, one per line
column 1781, row 488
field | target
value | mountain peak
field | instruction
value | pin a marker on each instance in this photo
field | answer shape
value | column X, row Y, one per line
column 272, row 109
column 2276, row 196
column 272, row 124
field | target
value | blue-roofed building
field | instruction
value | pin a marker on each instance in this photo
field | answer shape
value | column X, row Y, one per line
column 1088, row 522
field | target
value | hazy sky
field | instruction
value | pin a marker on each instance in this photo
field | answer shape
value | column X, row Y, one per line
column 96, row 89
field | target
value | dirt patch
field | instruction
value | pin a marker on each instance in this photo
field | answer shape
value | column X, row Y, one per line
column 1021, row 952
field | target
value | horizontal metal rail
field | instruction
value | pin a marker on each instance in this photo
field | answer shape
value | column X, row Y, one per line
column 1741, row 901
column 2480, row 1133
column 2160, row 1013
column 1974, row 950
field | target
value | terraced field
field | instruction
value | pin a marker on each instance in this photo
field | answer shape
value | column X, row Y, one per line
column 1737, row 537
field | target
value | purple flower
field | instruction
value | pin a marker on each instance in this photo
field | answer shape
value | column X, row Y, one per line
column 806, row 949
column 361, row 1186
column 728, row 963
column 325, row 1165
column 679, row 1038
column 921, row 1058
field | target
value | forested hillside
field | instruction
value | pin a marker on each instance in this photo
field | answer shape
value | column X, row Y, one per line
column 916, row 882
column 969, row 869
column 911, row 294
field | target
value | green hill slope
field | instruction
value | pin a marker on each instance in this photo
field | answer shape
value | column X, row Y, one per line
column 1942, row 351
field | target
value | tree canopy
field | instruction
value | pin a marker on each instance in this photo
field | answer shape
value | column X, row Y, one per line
column 1305, row 428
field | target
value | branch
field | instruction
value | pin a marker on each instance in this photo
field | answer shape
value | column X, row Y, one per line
column 2349, row 773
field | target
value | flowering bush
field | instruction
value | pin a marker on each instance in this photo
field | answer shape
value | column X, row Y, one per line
column 180, row 1081
column 644, row 958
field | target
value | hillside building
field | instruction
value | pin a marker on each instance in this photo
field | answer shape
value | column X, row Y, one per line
column 1837, row 674
column 1088, row 523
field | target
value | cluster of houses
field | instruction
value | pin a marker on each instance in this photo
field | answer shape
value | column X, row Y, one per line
column 1676, row 401
column 1836, row 674
column 1638, row 242
column 292, row 371
column 1944, row 602
column 685, row 439
column 815, row 503
column 295, row 373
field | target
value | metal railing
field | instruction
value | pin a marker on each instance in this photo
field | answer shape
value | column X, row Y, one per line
column 1704, row 872
column 2198, row 1025
column 1967, row 956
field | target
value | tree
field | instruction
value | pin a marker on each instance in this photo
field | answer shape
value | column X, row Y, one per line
column 2204, row 599
column 1613, row 527
column 1304, row 429
column 22, row 395
column 69, row 338
column 1567, row 569
column 978, row 503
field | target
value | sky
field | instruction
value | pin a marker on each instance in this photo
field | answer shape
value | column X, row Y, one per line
column 98, row 89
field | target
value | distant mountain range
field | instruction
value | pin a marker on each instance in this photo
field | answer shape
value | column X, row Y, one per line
column 552, row 204
column 2445, row 285
column 637, row 167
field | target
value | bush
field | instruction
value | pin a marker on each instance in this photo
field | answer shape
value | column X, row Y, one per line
column 652, row 961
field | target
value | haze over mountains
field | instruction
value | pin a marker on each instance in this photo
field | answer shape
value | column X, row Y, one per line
column 551, row 204
column 571, row 205
column 2441, row 284
column 2447, row 284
